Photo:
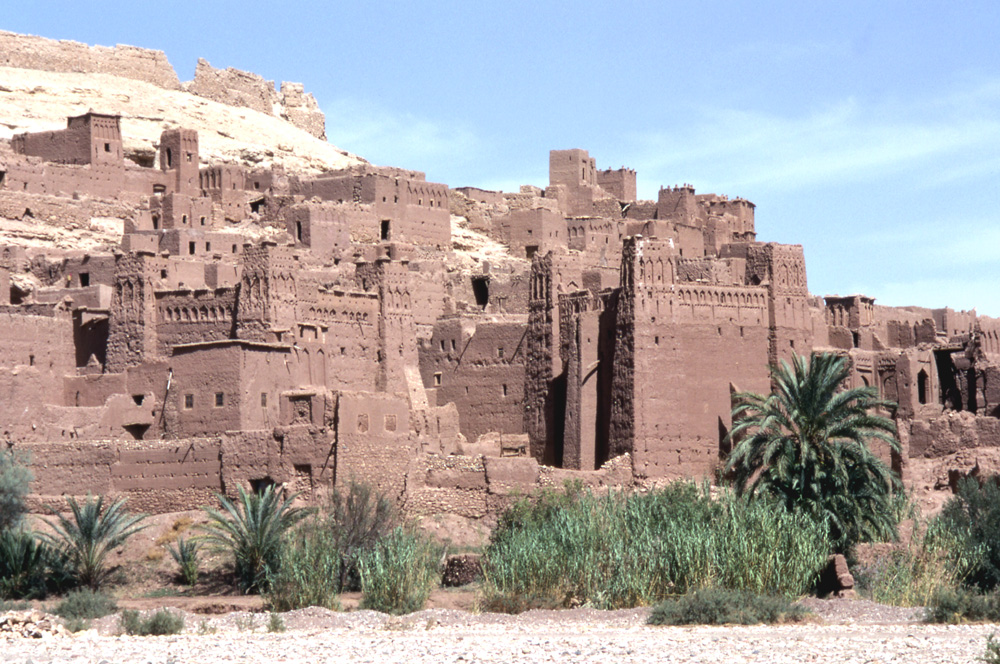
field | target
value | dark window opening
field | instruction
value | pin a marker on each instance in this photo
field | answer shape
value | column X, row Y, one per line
column 138, row 398
column 203, row 221
column 481, row 290
column 184, row 219
column 137, row 431
column 163, row 274
column 191, row 247
column 437, row 379
column 28, row 214
column 922, row 386
column 107, row 147
column 3, row 176
column 208, row 246
column 385, row 229
column 857, row 339
column 261, row 484
column 530, row 250
column 453, row 344
column 505, row 389
column 220, row 400
column 170, row 158
column 500, row 352
column 189, row 156
column 31, row 360
column 188, row 401
column 256, row 185
column 298, row 231
column 258, row 206
column 156, row 222
column 263, row 399
column 234, row 248
column 84, row 279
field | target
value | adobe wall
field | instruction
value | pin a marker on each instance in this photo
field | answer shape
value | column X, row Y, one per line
column 154, row 476
column 299, row 458
column 481, row 487
column 478, row 364
column 30, row 52
column 373, row 443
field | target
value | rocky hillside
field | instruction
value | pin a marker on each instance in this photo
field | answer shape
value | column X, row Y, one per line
column 239, row 116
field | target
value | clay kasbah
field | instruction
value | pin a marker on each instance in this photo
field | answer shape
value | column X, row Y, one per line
column 255, row 323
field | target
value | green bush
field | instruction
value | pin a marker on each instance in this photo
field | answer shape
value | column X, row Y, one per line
column 957, row 605
column 310, row 571
column 992, row 654
column 275, row 623
column 85, row 604
column 621, row 550
column 7, row 605
column 356, row 520
column 910, row 574
column 90, row 534
column 15, row 480
column 320, row 557
column 253, row 528
column 398, row 573
column 971, row 518
column 185, row 554
column 76, row 624
column 721, row 606
column 160, row 623
column 24, row 563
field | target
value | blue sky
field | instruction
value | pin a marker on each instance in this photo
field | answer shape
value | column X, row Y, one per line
column 868, row 132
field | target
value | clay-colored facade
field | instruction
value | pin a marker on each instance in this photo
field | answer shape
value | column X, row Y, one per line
column 349, row 342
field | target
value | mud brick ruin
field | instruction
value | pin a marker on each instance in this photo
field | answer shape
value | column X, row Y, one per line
column 360, row 339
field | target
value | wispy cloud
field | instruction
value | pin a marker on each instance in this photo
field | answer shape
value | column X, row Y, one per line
column 403, row 139
column 852, row 140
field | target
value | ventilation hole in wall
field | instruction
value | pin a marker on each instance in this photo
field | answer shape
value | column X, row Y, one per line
column 505, row 389
column 138, row 398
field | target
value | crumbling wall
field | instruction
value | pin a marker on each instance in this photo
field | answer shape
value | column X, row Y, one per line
column 141, row 64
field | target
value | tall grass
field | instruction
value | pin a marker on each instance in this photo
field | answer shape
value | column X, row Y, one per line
column 935, row 558
column 398, row 573
column 310, row 571
column 620, row 550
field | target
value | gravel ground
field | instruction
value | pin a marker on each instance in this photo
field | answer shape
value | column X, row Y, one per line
column 847, row 631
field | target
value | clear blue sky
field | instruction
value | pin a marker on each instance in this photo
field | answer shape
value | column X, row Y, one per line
column 868, row 132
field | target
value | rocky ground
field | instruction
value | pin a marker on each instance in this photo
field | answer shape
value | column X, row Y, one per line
column 844, row 631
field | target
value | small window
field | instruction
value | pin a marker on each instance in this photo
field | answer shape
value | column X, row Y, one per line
column 184, row 219
column 220, row 399
column 263, row 399
column 31, row 360
column 437, row 379
column 138, row 399
column 203, row 221
column 442, row 345
column 500, row 352
column 191, row 248
column 234, row 248
column 163, row 274
column 188, row 401
column 453, row 344
column 156, row 222
column 107, row 147
column 208, row 246
column 384, row 234
column 505, row 389
column 189, row 156
column 298, row 231
column 84, row 279
column 256, row 185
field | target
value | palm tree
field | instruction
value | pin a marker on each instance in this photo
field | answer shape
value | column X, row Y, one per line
column 807, row 443
column 252, row 528
column 87, row 538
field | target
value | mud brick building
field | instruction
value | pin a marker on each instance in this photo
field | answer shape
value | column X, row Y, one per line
column 256, row 326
